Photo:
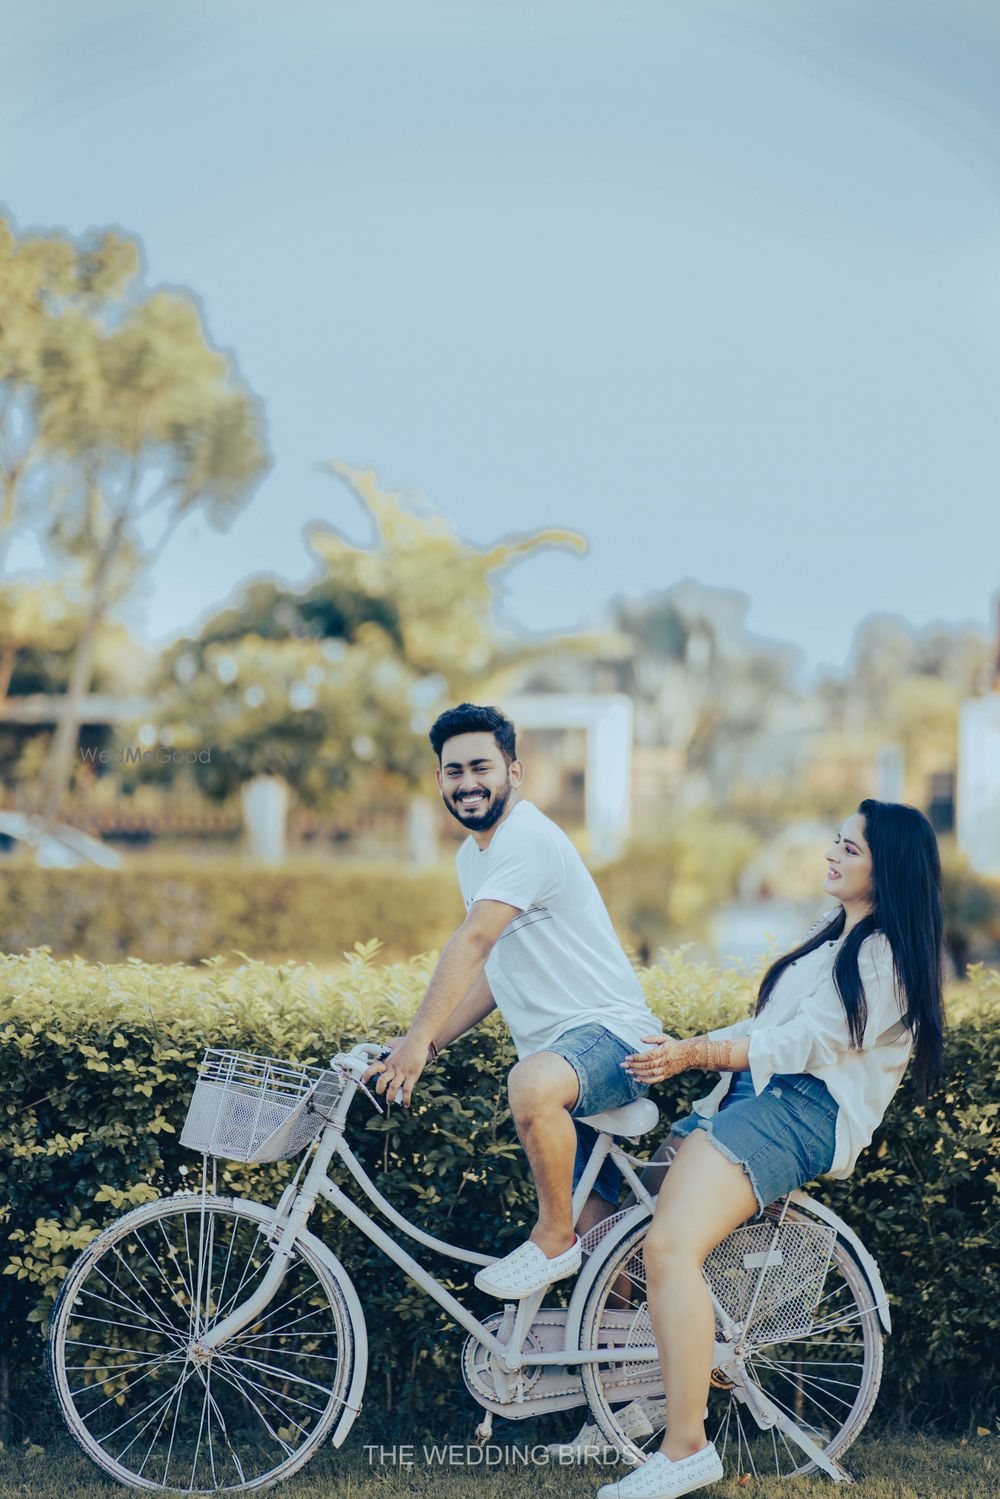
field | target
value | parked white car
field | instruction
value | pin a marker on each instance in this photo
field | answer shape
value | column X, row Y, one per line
column 61, row 848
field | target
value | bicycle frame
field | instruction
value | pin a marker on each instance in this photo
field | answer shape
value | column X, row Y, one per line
column 292, row 1215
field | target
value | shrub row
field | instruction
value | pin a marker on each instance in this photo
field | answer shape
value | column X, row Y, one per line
column 182, row 914
column 97, row 1064
column 660, row 893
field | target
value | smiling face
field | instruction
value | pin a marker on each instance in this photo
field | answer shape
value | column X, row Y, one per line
column 849, row 860
column 476, row 782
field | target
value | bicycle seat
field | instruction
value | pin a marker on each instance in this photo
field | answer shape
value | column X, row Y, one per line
column 631, row 1120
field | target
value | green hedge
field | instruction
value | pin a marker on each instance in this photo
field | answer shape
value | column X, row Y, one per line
column 97, row 1066
column 187, row 912
column 167, row 911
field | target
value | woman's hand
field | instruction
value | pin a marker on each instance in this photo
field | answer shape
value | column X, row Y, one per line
column 667, row 1059
column 672, row 1056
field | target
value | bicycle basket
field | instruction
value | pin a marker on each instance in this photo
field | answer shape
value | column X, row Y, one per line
column 790, row 1260
column 255, row 1109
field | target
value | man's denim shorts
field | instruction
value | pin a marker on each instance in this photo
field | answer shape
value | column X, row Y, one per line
column 596, row 1055
column 782, row 1137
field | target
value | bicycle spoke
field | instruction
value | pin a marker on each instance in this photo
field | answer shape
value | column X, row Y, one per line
column 119, row 1368
column 263, row 1389
column 107, row 1347
column 165, row 1327
column 173, row 1255
column 166, row 1404
column 281, row 1373
column 243, row 1289
column 159, row 1270
column 90, row 1388
column 214, row 1406
column 148, row 1294
column 792, row 1380
column 296, row 1353
column 822, row 1380
column 156, row 1400
column 173, row 1430
column 233, row 1379
column 225, row 1268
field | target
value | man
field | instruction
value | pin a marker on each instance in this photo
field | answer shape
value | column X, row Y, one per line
column 538, row 944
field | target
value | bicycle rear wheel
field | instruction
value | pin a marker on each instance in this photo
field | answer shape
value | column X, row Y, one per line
column 119, row 1361
column 825, row 1377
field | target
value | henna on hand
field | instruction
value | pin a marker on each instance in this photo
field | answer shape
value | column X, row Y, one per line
column 714, row 1056
column 671, row 1057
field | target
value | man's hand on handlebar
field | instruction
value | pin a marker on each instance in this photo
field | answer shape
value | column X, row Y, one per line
column 401, row 1068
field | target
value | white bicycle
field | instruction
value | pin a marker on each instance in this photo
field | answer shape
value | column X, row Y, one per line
column 205, row 1343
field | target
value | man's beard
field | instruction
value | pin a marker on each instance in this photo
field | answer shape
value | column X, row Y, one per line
column 491, row 814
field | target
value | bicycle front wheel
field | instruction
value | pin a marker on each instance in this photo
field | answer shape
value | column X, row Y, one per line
column 824, row 1377
column 132, row 1396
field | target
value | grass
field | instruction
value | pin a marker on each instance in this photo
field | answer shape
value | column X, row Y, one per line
column 913, row 1466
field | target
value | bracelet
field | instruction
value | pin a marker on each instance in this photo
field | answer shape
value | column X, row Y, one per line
column 712, row 1055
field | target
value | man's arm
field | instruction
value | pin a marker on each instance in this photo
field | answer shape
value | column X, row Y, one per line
column 474, row 1007
column 460, row 965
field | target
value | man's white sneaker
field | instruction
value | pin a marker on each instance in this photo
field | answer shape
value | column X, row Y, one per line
column 660, row 1478
column 590, row 1442
column 527, row 1269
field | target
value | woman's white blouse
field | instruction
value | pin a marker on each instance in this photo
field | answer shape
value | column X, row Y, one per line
column 803, row 1028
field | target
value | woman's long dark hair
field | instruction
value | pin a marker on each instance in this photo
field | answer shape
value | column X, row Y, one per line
column 906, row 906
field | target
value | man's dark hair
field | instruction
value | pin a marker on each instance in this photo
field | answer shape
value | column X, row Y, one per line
column 470, row 718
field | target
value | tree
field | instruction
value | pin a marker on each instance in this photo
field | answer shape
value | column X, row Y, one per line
column 37, row 620
column 117, row 419
column 331, row 683
column 703, row 684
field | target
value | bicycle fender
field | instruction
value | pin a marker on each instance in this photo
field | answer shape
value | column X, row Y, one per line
column 359, row 1372
column 866, row 1260
column 592, row 1268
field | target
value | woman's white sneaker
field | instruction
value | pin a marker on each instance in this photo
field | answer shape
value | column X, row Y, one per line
column 661, row 1478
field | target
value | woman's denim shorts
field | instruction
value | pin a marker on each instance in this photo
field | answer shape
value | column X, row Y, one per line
column 782, row 1137
column 596, row 1056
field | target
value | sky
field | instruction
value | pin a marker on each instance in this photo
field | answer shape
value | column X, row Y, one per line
column 717, row 284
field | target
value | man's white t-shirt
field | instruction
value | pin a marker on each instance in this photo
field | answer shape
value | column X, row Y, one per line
column 558, row 964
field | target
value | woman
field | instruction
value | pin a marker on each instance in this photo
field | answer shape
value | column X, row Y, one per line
column 806, row 1083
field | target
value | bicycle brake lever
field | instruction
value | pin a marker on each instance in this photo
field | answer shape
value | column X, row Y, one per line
column 346, row 1072
column 371, row 1095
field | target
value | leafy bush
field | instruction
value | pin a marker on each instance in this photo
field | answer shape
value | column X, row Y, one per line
column 97, row 1067
column 660, row 893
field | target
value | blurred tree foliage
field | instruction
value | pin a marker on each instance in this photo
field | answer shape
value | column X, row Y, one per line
column 40, row 623
column 117, row 420
column 324, row 684
column 904, row 686
column 702, row 681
